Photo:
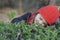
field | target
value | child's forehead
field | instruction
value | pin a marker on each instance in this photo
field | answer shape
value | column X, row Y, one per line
column 39, row 16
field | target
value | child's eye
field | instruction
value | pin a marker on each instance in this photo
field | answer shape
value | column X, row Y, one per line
column 41, row 19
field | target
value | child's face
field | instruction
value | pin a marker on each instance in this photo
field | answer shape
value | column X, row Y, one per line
column 40, row 20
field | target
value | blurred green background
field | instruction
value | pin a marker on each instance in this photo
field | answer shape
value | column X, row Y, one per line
column 22, row 6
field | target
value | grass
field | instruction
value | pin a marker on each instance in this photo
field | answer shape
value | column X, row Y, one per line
column 8, row 31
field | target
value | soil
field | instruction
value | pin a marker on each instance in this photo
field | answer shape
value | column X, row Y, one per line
column 3, row 14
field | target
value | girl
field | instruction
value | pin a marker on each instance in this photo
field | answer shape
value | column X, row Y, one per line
column 46, row 16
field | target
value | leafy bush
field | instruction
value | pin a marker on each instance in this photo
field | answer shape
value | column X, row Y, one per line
column 11, row 14
column 9, row 31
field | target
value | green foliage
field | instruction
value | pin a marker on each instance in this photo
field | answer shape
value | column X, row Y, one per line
column 11, row 14
column 8, row 31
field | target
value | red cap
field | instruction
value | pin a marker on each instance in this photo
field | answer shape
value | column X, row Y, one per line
column 50, row 13
column 59, row 12
column 59, row 15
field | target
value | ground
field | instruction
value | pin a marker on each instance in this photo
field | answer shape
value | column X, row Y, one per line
column 3, row 14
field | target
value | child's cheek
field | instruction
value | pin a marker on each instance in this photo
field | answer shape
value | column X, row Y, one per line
column 40, row 22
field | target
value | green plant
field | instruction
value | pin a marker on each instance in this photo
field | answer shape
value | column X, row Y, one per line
column 11, row 14
column 8, row 31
